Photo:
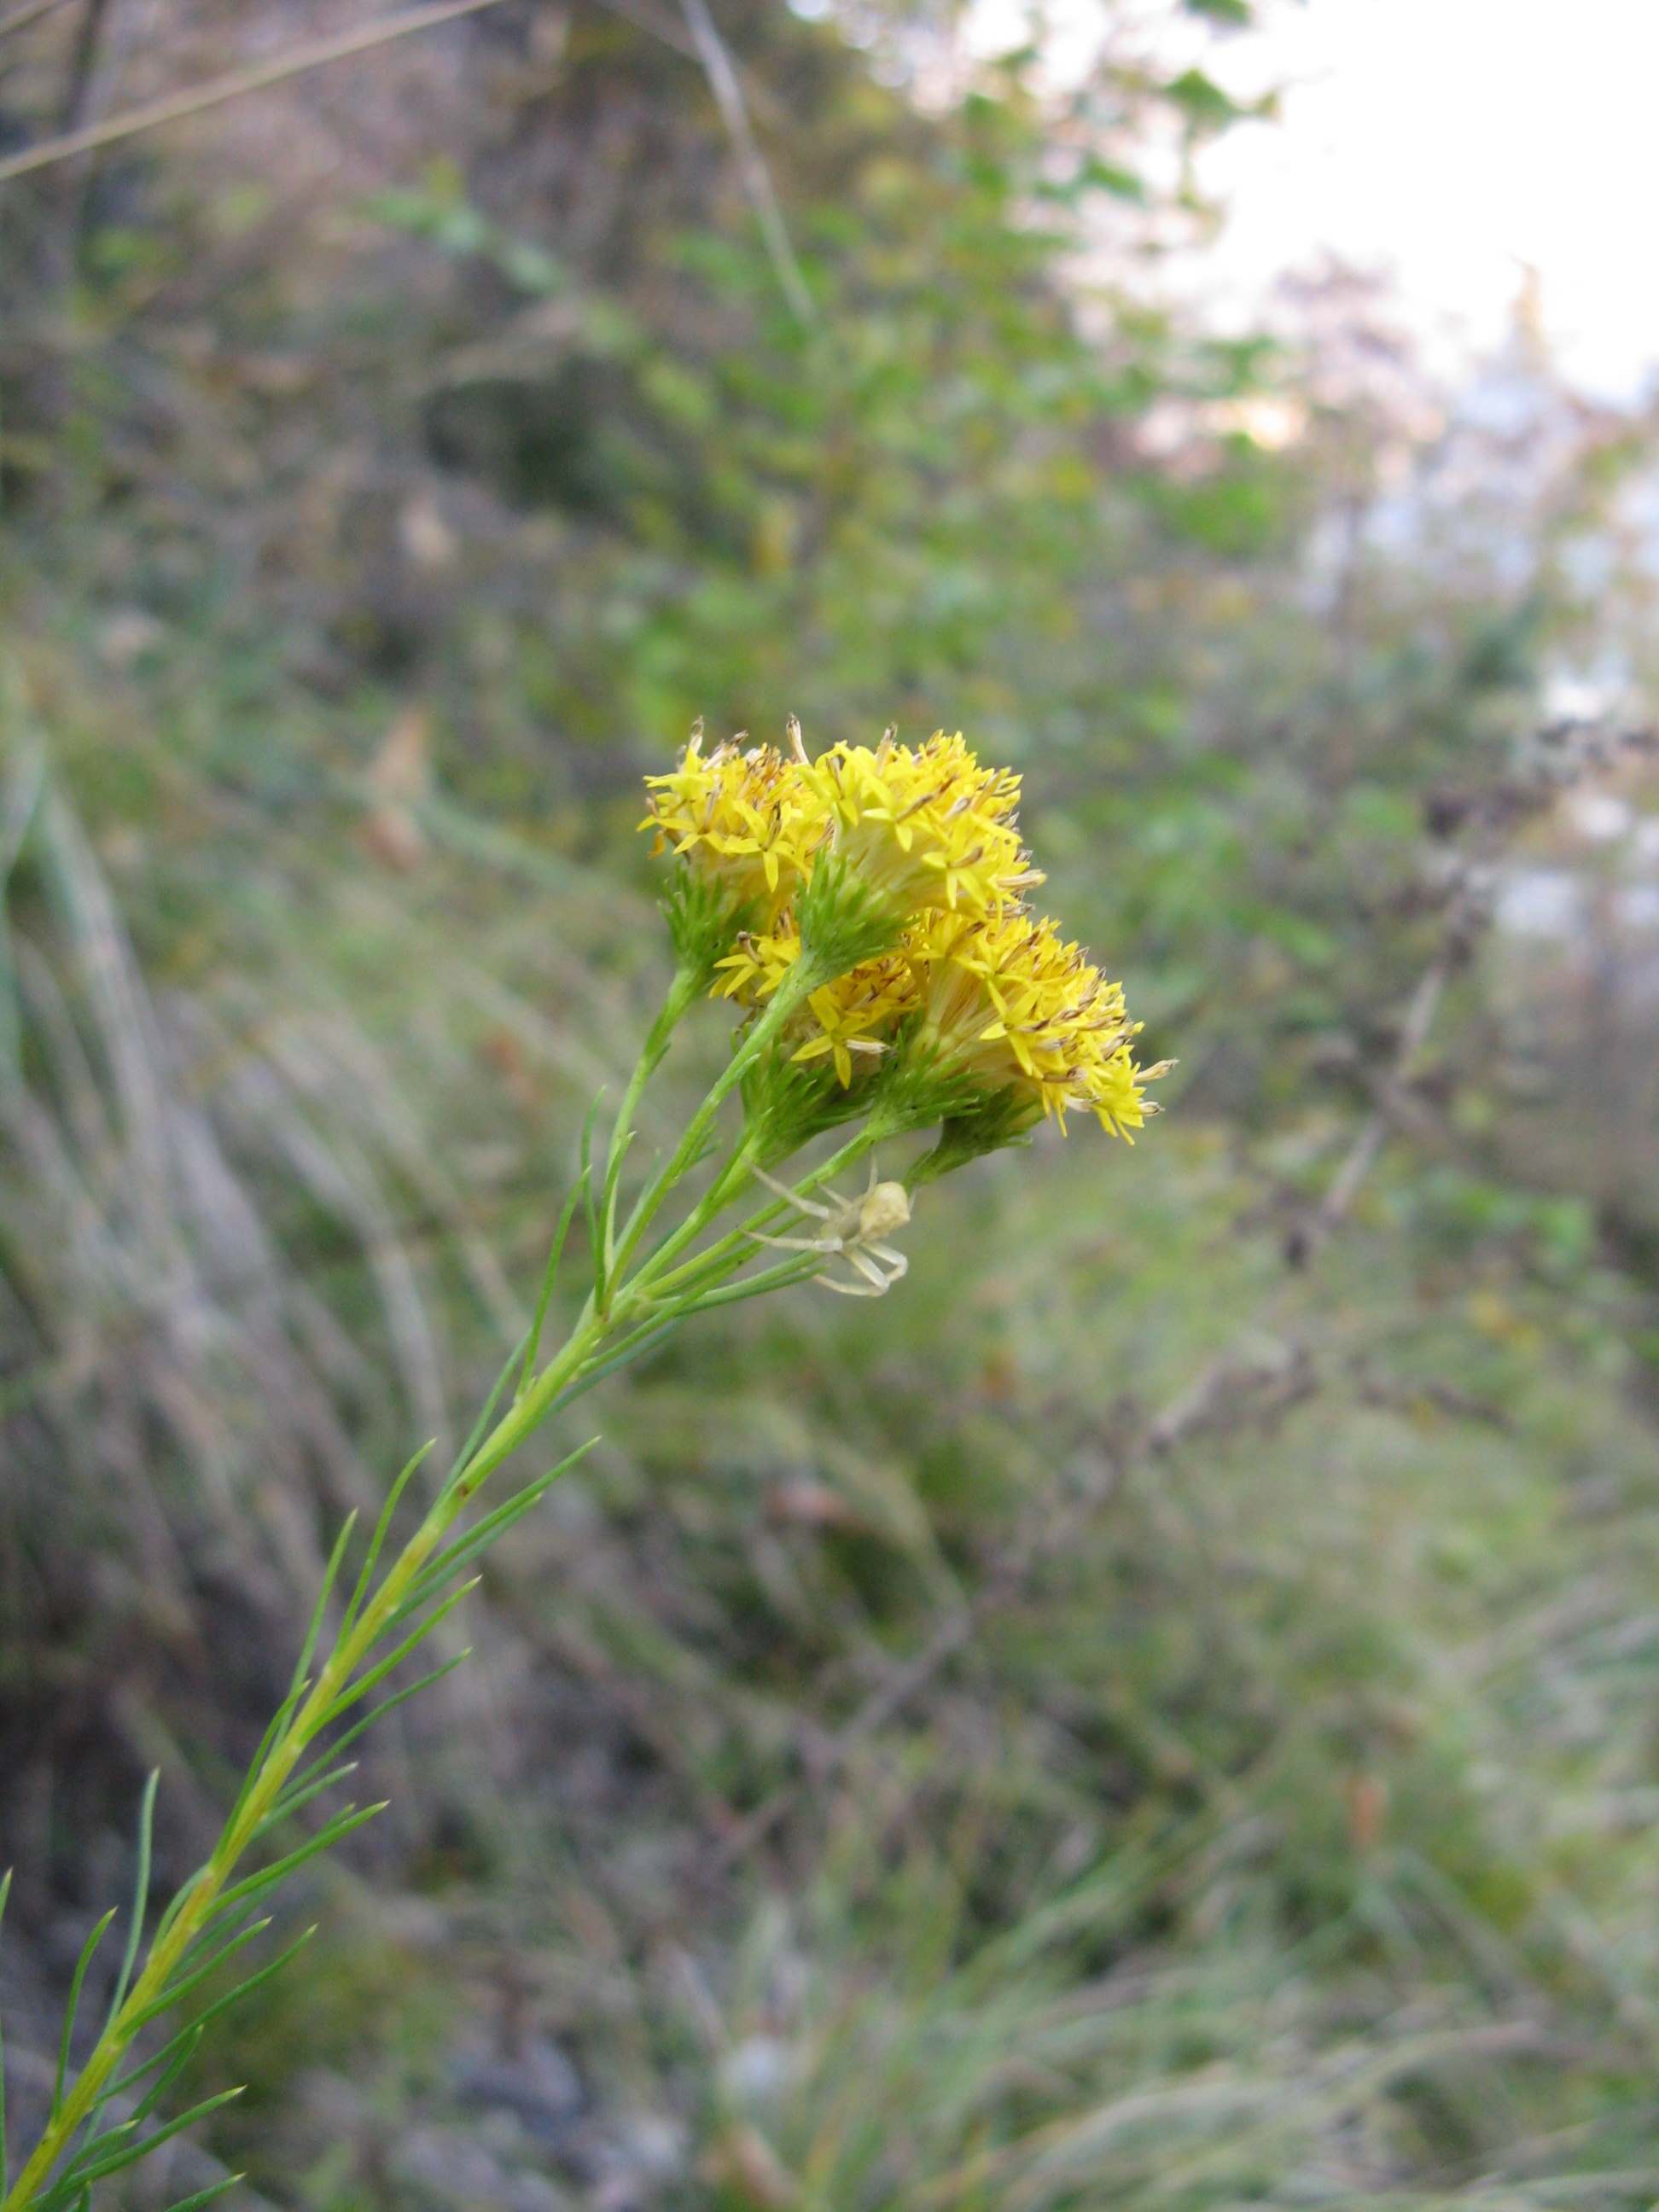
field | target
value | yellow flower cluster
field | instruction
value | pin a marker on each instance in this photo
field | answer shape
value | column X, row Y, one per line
column 972, row 982
column 740, row 816
column 1058, row 1031
column 929, row 829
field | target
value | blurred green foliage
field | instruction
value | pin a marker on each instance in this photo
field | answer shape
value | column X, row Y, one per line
column 1271, row 1824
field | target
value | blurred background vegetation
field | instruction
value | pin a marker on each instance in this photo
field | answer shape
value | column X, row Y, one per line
column 1161, row 1712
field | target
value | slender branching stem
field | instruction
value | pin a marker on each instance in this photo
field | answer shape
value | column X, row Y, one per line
column 752, row 1046
column 623, row 1315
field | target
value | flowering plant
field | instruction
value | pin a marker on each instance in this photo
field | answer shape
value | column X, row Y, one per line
column 865, row 911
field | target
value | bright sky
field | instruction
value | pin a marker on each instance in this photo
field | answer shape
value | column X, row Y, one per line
column 1456, row 142
column 1459, row 140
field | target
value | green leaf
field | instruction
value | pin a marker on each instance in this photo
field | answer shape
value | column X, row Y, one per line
column 341, row 1826
column 181, row 2046
column 1123, row 184
column 272, row 1736
column 410, row 1690
column 315, row 1626
column 361, row 1591
column 128, row 2154
column 208, row 2195
column 1202, row 101
column 140, row 1891
column 296, row 1798
column 492, row 1525
column 549, row 1278
column 73, row 2006
column 585, row 1184
column 182, row 1986
column 360, row 1688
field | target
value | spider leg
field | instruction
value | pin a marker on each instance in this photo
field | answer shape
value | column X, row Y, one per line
column 850, row 1289
column 858, row 1257
column 798, row 1243
column 805, row 1204
column 898, row 1261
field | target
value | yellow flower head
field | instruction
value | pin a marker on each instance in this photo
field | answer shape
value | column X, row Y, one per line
column 1007, row 1002
column 742, row 816
column 904, row 866
column 924, row 829
column 850, row 1020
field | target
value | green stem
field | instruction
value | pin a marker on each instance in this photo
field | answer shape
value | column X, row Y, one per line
column 585, row 1352
column 738, row 1244
column 682, row 993
column 802, row 979
column 193, row 1907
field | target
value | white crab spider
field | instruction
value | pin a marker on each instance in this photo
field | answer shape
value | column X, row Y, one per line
column 851, row 1227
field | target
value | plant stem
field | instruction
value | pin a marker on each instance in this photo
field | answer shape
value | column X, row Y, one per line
column 802, row 979
column 194, row 1906
column 738, row 1244
column 682, row 993
column 639, row 1310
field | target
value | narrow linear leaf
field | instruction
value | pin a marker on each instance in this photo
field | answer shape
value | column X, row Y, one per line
column 585, row 1184
column 268, row 1743
column 98, row 2146
column 267, row 1877
column 476, row 1433
column 296, row 1799
column 73, row 2006
column 173, row 2056
column 315, row 1628
column 492, row 1525
column 213, row 1939
column 410, row 1690
column 187, row 1981
column 129, row 2153
column 378, row 1538
column 208, row 2195
column 181, row 1896
column 182, row 2046
column 549, row 1278
column 630, row 1349
column 140, row 1891
column 378, row 1674
column 613, row 1177
column 772, row 1279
